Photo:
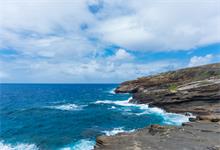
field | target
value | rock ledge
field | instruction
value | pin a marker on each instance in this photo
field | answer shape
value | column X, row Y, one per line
column 192, row 90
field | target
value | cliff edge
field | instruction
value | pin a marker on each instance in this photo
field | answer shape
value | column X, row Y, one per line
column 193, row 90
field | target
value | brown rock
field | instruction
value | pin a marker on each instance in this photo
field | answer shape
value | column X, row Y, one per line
column 192, row 90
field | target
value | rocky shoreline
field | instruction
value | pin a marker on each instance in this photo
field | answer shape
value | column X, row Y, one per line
column 192, row 90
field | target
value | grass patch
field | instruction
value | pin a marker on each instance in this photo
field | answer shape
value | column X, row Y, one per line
column 172, row 88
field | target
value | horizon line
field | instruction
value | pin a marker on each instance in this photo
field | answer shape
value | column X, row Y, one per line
column 55, row 83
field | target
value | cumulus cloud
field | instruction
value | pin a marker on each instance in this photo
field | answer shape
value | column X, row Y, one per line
column 161, row 25
column 50, row 28
column 134, row 25
column 200, row 60
column 121, row 55
column 66, row 40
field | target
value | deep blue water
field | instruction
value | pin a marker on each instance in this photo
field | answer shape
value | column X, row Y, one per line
column 71, row 116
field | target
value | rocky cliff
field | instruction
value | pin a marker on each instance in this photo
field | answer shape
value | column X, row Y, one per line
column 195, row 90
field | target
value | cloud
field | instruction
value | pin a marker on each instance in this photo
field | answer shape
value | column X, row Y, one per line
column 93, row 71
column 121, row 55
column 145, row 26
column 200, row 60
column 49, row 28
column 159, row 25
column 43, row 16
column 68, row 41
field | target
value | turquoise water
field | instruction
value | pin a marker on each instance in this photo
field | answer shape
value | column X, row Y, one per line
column 69, row 116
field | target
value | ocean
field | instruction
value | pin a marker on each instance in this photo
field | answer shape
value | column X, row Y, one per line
column 70, row 116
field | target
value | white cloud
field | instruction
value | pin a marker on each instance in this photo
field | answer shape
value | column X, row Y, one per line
column 49, row 28
column 92, row 71
column 134, row 25
column 121, row 55
column 62, row 41
column 161, row 25
column 200, row 60
column 43, row 16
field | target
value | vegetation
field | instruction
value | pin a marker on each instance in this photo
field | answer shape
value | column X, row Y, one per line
column 173, row 88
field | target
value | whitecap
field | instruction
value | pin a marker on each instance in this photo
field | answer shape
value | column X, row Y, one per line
column 112, row 91
column 113, row 107
column 116, row 131
column 175, row 119
column 83, row 144
column 20, row 146
column 104, row 102
column 169, row 118
column 67, row 107
column 121, row 103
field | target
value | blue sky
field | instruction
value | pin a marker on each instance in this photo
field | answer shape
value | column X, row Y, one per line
column 100, row 41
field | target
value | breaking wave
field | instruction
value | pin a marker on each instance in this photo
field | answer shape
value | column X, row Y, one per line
column 83, row 144
column 67, row 107
column 121, row 103
column 112, row 91
column 168, row 118
column 116, row 131
column 20, row 146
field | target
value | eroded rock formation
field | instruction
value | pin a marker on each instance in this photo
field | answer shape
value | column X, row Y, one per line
column 195, row 90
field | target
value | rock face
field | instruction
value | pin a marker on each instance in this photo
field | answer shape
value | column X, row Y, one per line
column 169, row 78
column 196, row 136
column 195, row 90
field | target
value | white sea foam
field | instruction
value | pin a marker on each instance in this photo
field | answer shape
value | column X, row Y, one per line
column 67, row 107
column 112, row 91
column 169, row 118
column 116, row 131
column 20, row 146
column 175, row 119
column 121, row 103
column 83, row 144
column 113, row 107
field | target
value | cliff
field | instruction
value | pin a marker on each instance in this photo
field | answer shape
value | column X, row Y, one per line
column 195, row 90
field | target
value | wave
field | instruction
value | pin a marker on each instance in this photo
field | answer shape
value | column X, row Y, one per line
column 116, row 131
column 121, row 103
column 83, row 144
column 112, row 91
column 175, row 119
column 113, row 107
column 168, row 118
column 67, row 107
column 20, row 146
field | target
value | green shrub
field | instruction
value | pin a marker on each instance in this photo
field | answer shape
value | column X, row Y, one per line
column 172, row 88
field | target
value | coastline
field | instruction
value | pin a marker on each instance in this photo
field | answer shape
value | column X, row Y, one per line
column 192, row 90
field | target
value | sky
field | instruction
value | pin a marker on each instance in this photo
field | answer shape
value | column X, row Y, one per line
column 104, row 41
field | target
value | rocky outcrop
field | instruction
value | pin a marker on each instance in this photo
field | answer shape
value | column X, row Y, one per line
column 195, row 90
column 167, row 79
column 196, row 136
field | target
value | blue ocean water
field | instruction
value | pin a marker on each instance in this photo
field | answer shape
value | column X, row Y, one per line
column 69, row 116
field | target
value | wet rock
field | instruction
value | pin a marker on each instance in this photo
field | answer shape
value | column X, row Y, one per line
column 193, row 119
